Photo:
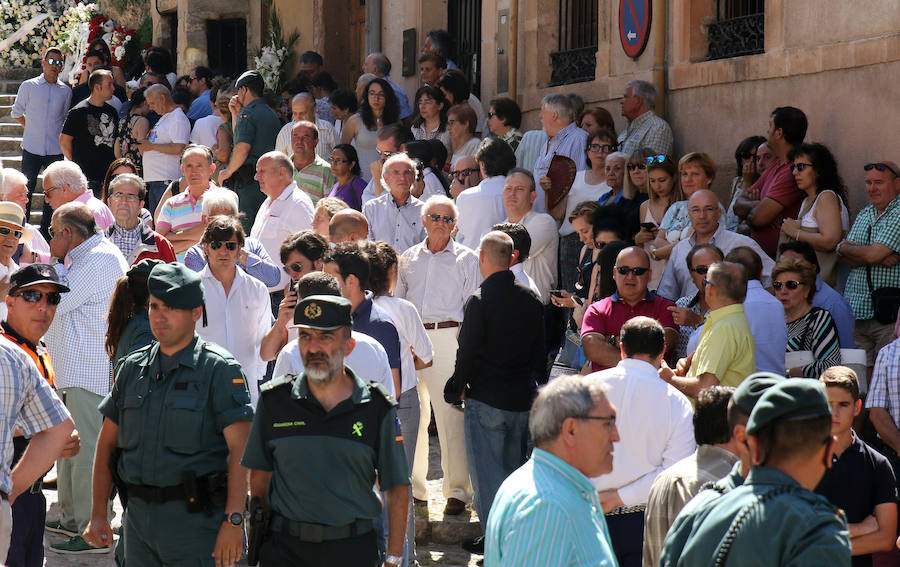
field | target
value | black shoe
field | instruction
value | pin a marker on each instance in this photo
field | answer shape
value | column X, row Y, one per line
column 474, row 545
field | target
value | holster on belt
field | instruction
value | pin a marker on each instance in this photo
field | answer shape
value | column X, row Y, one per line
column 260, row 516
column 205, row 493
column 120, row 485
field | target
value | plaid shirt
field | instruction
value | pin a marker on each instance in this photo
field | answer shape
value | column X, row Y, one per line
column 77, row 336
column 126, row 240
column 872, row 228
column 647, row 131
column 27, row 402
column 884, row 389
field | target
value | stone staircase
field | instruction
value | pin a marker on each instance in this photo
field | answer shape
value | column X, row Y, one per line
column 11, row 132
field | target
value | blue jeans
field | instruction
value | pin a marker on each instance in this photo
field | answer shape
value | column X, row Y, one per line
column 496, row 445
column 155, row 190
column 31, row 167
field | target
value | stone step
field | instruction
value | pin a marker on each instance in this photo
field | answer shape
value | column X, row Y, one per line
column 13, row 129
column 12, row 160
column 5, row 109
column 19, row 75
column 10, row 144
column 8, row 98
column 9, row 87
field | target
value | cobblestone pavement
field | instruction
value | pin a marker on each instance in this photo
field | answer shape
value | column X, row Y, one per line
column 438, row 536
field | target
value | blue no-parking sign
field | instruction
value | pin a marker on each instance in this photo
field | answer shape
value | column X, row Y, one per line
column 634, row 25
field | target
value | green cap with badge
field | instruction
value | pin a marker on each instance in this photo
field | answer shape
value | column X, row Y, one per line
column 751, row 390
column 323, row 312
column 792, row 399
column 176, row 285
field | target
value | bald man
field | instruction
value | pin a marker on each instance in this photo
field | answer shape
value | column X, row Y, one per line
column 348, row 225
column 303, row 107
column 163, row 147
column 705, row 212
column 495, row 370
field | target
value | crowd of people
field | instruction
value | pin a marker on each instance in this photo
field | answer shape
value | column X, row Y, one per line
column 237, row 293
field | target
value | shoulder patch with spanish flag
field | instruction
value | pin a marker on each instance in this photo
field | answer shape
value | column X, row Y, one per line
column 237, row 380
column 399, row 435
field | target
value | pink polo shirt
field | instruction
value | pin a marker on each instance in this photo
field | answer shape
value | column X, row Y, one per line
column 102, row 215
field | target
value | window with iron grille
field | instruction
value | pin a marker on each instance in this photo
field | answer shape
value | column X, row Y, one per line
column 739, row 29
column 576, row 59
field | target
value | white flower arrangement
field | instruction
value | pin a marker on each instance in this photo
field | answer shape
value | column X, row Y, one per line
column 15, row 15
column 270, row 64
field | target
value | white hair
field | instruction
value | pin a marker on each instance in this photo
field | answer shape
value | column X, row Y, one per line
column 617, row 155
column 218, row 198
column 560, row 104
column 10, row 178
column 645, row 90
column 401, row 157
column 562, row 398
column 438, row 200
column 66, row 172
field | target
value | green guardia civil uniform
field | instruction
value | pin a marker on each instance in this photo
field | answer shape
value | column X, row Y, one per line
column 171, row 413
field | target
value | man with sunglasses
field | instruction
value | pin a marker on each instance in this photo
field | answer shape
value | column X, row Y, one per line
column 41, row 106
column 656, row 430
column 603, row 320
column 200, row 85
column 464, row 174
column 872, row 249
column 31, row 304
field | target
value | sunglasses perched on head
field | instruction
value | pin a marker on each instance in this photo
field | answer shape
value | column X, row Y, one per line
column 230, row 246
column 5, row 231
column 790, row 284
column 878, row 166
column 33, row 296
column 656, row 159
column 637, row 271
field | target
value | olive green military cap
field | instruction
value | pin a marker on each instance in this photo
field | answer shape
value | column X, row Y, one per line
column 790, row 400
column 176, row 285
column 752, row 388
column 323, row 312
column 144, row 267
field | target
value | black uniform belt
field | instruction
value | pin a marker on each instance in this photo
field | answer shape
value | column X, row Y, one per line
column 36, row 487
column 156, row 494
column 317, row 533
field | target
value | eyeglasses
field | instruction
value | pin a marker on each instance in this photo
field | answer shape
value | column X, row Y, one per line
column 491, row 114
column 460, row 173
column 33, row 296
column 436, row 217
column 385, row 155
column 700, row 270
column 601, row 148
column 339, row 161
column 5, row 231
column 879, row 166
column 799, row 167
column 230, row 246
column 51, row 189
column 706, row 282
column 54, row 61
column 790, row 284
column 656, row 159
column 633, row 166
column 373, row 94
column 637, row 271
column 295, row 267
column 129, row 197
column 610, row 420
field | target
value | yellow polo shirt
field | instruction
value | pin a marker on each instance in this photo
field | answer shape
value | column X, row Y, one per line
column 726, row 346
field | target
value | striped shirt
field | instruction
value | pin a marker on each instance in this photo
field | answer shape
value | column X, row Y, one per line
column 817, row 333
column 884, row 389
column 316, row 179
column 547, row 513
column 27, row 402
column 180, row 212
column 77, row 336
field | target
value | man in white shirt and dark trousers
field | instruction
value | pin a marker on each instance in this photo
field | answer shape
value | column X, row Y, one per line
column 655, row 425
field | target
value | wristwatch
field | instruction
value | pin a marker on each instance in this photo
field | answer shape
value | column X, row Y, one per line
column 837, row 249
column 235, row 518
column 393, row 560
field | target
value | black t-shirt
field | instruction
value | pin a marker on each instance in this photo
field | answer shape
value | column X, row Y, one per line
column 861, row 479
column 94, row 131
column 82, row 91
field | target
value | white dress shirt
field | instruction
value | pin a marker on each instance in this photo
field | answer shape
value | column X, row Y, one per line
column 291, row 212
column 77, row 336
column 541, row 262
column 438, row 284
column 480, row 208
column 655, row 423
column 398, row 225
column 327, row 139
column 765, row 315
column 412, row 336
column 367, row 360
column 238, row 322
column 676, row 281
column 518, row 270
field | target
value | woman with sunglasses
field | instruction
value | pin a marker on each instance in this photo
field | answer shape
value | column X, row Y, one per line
column 349, row 186
column 430, row 120
column 745, row 158
column 823, row 219
column 690, row 310
column 12, row 233
column 589, row 185
column 504, row 120
column 696, row 171
column 809, row 328
column 664, row 191
column 378, row 107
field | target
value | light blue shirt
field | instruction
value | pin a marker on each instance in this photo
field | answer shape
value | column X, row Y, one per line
column 547, row 513
column 833, row 302
column 398, row 225
column 569, row 142
column 402, row 99
column 201, row 107
column 45, row 107
column 765, row 315
column 259, row 263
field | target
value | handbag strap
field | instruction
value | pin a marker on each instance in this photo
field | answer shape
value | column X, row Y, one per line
column 869, row 266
